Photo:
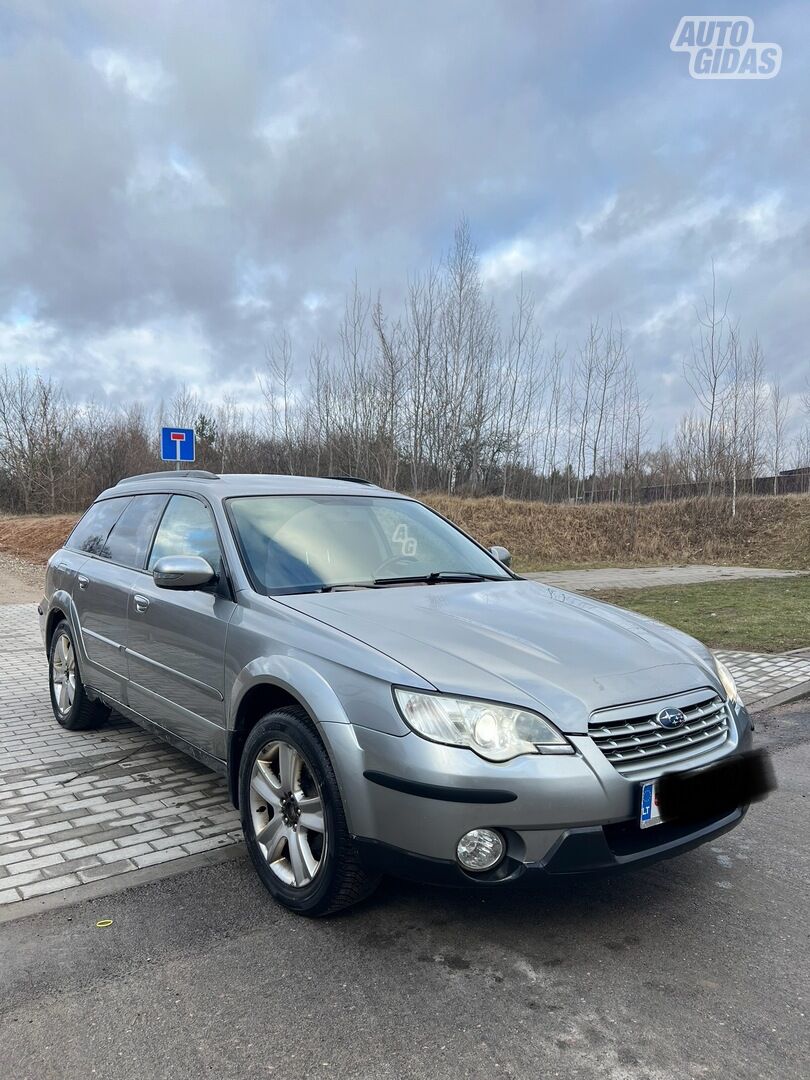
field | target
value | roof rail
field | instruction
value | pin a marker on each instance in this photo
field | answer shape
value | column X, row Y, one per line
column 351, row 480
column 165, row 474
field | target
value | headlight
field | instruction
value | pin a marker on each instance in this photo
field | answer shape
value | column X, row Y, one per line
column 727, row 679
column 496, row 732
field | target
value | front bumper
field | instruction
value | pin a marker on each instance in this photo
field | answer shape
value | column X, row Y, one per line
column 559, row 814
column 577, row 851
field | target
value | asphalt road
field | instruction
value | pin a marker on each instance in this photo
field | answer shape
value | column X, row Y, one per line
column 692, row 968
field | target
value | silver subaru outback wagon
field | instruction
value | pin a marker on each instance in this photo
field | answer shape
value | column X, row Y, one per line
column 382, row 693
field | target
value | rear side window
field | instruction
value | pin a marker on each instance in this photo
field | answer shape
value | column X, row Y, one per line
column 129, row 540
column 90, row 535
column 187, row 528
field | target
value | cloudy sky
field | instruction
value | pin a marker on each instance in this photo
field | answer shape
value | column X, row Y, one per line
column 178, row 180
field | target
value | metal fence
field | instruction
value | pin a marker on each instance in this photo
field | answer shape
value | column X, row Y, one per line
column 790, row 482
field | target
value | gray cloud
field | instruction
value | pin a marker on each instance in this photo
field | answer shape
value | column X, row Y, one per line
column 178, row 181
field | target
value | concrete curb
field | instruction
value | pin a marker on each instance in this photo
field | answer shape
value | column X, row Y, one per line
column 77, row 894
column 800, row 690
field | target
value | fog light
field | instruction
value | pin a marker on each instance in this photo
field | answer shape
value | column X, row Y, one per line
column 480, row 849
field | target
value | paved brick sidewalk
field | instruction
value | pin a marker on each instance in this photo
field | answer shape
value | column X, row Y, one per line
column 76, row 807
column 761, row 675
column 643, row 577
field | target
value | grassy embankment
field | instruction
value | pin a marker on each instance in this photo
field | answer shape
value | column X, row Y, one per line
column 771, row 532
column 766, row 532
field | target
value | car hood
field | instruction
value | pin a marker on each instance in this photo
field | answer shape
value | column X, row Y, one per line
column 519, row 642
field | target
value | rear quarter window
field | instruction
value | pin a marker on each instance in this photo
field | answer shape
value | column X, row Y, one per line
column 131, row 534
column 90, row 535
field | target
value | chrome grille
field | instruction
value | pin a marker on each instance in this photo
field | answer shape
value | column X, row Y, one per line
column 638, row 747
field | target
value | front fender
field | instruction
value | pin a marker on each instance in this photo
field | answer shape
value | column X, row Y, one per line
column 298, row 678
column 308, row 687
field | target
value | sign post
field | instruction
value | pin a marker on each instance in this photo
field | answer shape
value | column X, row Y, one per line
column 177, row 444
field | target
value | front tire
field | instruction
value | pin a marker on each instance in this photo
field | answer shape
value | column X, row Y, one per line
column 293, row 818
column 71, row 706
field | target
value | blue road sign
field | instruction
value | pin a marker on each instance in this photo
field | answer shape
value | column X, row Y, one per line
column 177, row 444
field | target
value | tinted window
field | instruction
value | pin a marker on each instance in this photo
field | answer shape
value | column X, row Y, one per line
column 129, row 540
column 187, row 528
column 90, row 535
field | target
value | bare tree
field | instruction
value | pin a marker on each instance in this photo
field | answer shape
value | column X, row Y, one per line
column 707, row 367
column 183, row 408
column 276, row 383
column 586, row 377
column 735, row 396
column 779, row 412
column 440, row 393
column 36, row 438
column 755, row 407
column 609, row 355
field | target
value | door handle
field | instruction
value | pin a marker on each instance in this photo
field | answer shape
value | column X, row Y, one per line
column 83, row 581
column 141, row 603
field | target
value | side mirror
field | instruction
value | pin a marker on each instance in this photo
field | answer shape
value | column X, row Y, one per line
column 501, row 554
column 182, row 572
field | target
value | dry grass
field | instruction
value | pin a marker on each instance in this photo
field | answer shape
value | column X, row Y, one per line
column 766, row 532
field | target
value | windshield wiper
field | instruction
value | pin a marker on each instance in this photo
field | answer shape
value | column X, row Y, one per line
column 434, row 578
column 437, row 577
column 346, row 586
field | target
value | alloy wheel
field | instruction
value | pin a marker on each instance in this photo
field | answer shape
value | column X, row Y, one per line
column 287, row 813
column 63, row 674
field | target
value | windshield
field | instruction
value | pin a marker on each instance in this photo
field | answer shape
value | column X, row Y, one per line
column 302, row 543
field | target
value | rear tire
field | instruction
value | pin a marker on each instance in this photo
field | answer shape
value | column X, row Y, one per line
column 293, row 818
column 71, row 706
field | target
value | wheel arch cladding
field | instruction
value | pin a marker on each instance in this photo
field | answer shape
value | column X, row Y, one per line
column 259, row 700
column 55, row 615
column 265, row 689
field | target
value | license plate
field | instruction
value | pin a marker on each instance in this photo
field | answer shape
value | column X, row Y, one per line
column 650, row 813
column 702, row 794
